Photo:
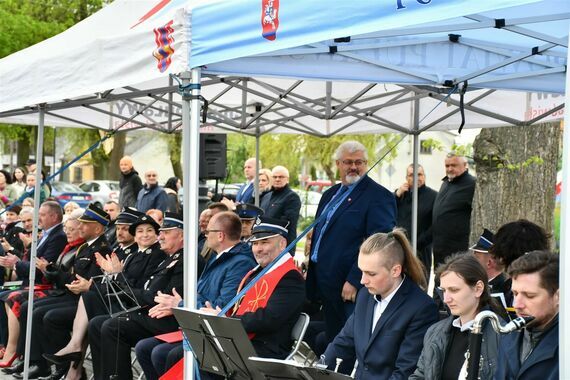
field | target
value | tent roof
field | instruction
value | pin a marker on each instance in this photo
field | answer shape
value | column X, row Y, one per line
column 111, row 71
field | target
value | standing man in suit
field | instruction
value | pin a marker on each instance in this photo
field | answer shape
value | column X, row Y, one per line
column 246, row 191
column 282, row 202
column 333, row 277
column 392, row 314
column 533, row 352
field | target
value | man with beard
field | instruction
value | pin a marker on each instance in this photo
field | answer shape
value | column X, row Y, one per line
column 130, row 183
column 353, row 210
column 533, row 352
column 152, row 196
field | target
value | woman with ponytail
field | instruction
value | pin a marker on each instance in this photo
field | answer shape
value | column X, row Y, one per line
column 391, row 315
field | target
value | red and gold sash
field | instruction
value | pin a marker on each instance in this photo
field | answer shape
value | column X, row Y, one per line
column 258, row 296
column 255, row 298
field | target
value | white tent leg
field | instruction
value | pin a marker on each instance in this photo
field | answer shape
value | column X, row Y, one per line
column 564, row 349
column 257, row 168
column 32, row 275
column 416, row 127
column 191, row 156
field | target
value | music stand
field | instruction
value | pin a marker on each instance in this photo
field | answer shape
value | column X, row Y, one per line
column 276, row 369
column 219, row 344
column 116, row 294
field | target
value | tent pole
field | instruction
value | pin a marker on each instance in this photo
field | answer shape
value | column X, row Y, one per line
column 564, row 310
column 416, row 127
column 257, row 168
column 191, row 156
column 32, row 275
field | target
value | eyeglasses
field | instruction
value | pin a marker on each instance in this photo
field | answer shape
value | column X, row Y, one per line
column 206, row 232
column 279, row 177
column 151, row 175
column 354, row 162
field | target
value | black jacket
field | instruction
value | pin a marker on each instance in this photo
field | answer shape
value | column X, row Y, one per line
column 84, row 263
column 283, row 204
column 168, row 275
column 273, row 323
column 426, row 199
column 452, row 215
column 140, row 265
column 111, row 234
column 130, row 185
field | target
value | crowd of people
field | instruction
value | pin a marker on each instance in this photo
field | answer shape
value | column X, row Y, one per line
column 108, row 278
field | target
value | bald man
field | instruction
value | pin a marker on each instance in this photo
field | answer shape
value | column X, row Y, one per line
column 246, row 191
column 130, row 183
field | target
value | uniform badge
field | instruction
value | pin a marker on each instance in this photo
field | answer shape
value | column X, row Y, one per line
column 148, row 251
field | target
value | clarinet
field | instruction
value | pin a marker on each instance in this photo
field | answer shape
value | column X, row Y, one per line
column 476, row 337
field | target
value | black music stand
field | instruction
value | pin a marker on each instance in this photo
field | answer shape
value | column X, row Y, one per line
column 118, row 297
column 276, row 369
column 219, row 344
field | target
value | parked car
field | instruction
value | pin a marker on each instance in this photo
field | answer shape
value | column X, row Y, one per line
column 309, row 202
column 229, row 190
column 65, row 192
column 102, row 191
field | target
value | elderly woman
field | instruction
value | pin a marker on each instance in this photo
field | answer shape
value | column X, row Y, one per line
column 133, row 272
column 14, row 300
column 465, row 290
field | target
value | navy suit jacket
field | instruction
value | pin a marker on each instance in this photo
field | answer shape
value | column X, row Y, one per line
column 247, row 196
column 542, row 363
column 368, row 209
column 392, row 350
column 49, row 250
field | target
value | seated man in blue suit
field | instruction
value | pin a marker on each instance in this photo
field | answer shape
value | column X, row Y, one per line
column 533, row 352
column 385, row 333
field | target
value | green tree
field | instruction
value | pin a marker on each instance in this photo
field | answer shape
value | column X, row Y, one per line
column 25, row 23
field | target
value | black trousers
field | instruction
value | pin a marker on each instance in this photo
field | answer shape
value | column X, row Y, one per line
column 40, row 339
column 111, row 341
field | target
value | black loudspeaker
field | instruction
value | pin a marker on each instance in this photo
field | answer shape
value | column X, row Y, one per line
column 213, row 156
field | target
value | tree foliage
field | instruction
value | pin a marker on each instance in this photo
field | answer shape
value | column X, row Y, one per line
column 296, row 151
column 25, row 23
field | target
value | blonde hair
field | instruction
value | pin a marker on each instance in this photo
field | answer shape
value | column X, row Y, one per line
column 396, row 249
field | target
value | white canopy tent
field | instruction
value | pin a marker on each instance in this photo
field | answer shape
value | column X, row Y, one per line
column 334, row 67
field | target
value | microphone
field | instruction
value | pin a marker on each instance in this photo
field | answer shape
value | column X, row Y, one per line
column 516, row 324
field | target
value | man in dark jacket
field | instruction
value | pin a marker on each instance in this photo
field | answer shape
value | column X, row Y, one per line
column 61, row 306
column 130, row 183
column 533, row 352
column 111, row 340
column 452, row 209
column 282, row 202
column 49, row 247
column 426, row 199
column 152, row 196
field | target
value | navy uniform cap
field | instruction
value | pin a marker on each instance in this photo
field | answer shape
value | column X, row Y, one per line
column 144, row 219
column 172, row 220
column 94, row 214
column 485, row 241
column 128, row 216
column 265, row 228
column 248, row 211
